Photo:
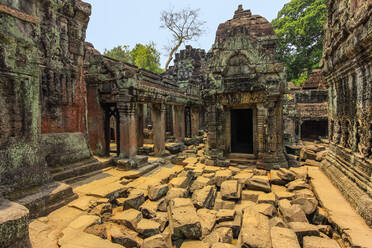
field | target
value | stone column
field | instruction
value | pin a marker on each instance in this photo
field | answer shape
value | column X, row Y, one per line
column 178, row 123
column 128, row 130
column 194, row 121
column 260, row 129
column 140, row 124
column 158, row 121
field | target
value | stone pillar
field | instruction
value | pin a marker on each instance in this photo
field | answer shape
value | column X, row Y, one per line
column 158, row 121
column 128, row 130
column 194, row 121
column 140, row 124
column 178, row 123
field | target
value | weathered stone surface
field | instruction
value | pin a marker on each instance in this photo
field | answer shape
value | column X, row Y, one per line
column 308, row 204
column 225, row 215
column 174, row 148
column 222, row 234
column 185, row 223
column 207, row 220
column 129, row 218
column 13, row 224
column 222, row 245
column 277, row 221
column 135, row 199
column 303, row 229
column 157, row 191
column 176, row 193
column 180, row 182
column 222, row 204
column 283, row 238
column 148, row 228
column 192, row 244
column 266, row 209
column 267, row 198
column 291, row 213
column 286, row 174
column 317, row 242
column 255, row 231
column 251, row 195
column 221, row 176
column 157, row 241
column 149, row 208
column 125, row 237
column 230, row 190
column 297, row 185
column 259, row 183
column 205, row 197
column 200, row 183
column 243, row 178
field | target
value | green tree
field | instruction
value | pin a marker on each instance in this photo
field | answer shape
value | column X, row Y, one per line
column 299, row 26
column 121, row 53
column 147, row 57
column 143, row 56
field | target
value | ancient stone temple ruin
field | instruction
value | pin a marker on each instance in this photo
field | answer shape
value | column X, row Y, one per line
column 348, row 72
column 213, row 153
column 245, row 92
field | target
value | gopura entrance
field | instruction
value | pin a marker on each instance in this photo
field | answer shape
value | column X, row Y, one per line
column 242, row 131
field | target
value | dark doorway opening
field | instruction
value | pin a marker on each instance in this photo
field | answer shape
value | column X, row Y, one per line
column 242, row 131
column 314, row 129
column 112, row 130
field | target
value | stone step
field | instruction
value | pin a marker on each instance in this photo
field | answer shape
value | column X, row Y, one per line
column 79, row 170
column 142, row 171
column 79, row 178
column 55, row 170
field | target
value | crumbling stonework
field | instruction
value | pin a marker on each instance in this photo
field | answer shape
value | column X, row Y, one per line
column 306, row 110
column 243, row 74
column 348, row 72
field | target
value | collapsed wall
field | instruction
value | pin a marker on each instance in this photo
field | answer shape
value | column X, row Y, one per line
column 348, row 73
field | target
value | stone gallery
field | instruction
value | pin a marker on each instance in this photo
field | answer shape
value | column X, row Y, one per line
column 218, row 151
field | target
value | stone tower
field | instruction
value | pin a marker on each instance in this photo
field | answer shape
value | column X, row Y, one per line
column 245, row 93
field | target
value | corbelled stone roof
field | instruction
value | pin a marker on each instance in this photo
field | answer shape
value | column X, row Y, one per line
column 244, row 23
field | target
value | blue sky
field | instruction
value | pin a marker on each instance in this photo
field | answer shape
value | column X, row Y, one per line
column 119, row 22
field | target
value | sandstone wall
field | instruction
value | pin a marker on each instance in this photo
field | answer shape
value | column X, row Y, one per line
column 41, row 89
column 348, row 73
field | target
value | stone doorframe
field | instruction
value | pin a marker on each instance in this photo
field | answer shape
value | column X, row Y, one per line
column 227, row 127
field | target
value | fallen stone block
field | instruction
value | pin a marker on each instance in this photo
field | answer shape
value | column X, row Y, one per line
column 148, row 228
column 303, row 229
column 266, row 209
column 276, row 179
column 251, row 195
column 222, row 245
column 291, row 213
column 225, row 215
column 230, row 190
column 194, row 244
column 180, row 182
column 308, row 204
column 200, row 183
column 297, row 185
column 317, row 242
column 162, row 219
column 221, row 176
column 222, row 234
column 260, row 183
column 243, row 178
column 185, row 223
column 267, row 198
column 157, row 191
column 130, row 218
column 174, row 148
column 157, row 241
column 235, row 225
column 135, row 199
column 277, row 221
column 207, row 220
column 205, row 197
column 286, row 174
column 124, row 236
column 149, row 208
column 176, row 193
column 283, row 238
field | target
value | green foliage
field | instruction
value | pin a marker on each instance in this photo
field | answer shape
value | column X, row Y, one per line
column 143, row 56
column 299, row 26
column 301, row 79
column 121, row 53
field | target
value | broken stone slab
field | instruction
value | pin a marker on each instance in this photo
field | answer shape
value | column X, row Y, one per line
column 243, row 178
column 148, row 228
column 125, row 236
column 135, row 199
column 307, row 154
column 156, row 241
column 222, row 204
column 276, row 179
column 266, row 209
column 194, row 244
column 185, row 223
column 207, row 220
column 291, row 213
column 221, row 234
column 297, row 185
column 317, row 242
column 101, row 209
column 303, row 229
column 200, row 183
column 301, row 172
column 281, row 193
column 149, row 209
column 251, row 195
column 304, row 193
column 14, row 219
column 242, row 205
column 234, row 170
column 267, row 198
column 174, row 148
column 221, row 176
column 283, row 238
column 205, row 197
column 180, row 182
column 231, row 190
column 225, row 215
column 162, row 219
column 311, row 162
column 180, row 202
column 222, row 245
column 130, row 218
column 308, row 204
column 176, row 193
column 260, row 183
column 277, row 221
column 84, row 203
column 321, row 155
column 211, row 169
column 255, row 231
column 286, row 174
column 157, row 191
column 235, row 225
column 84, row 221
